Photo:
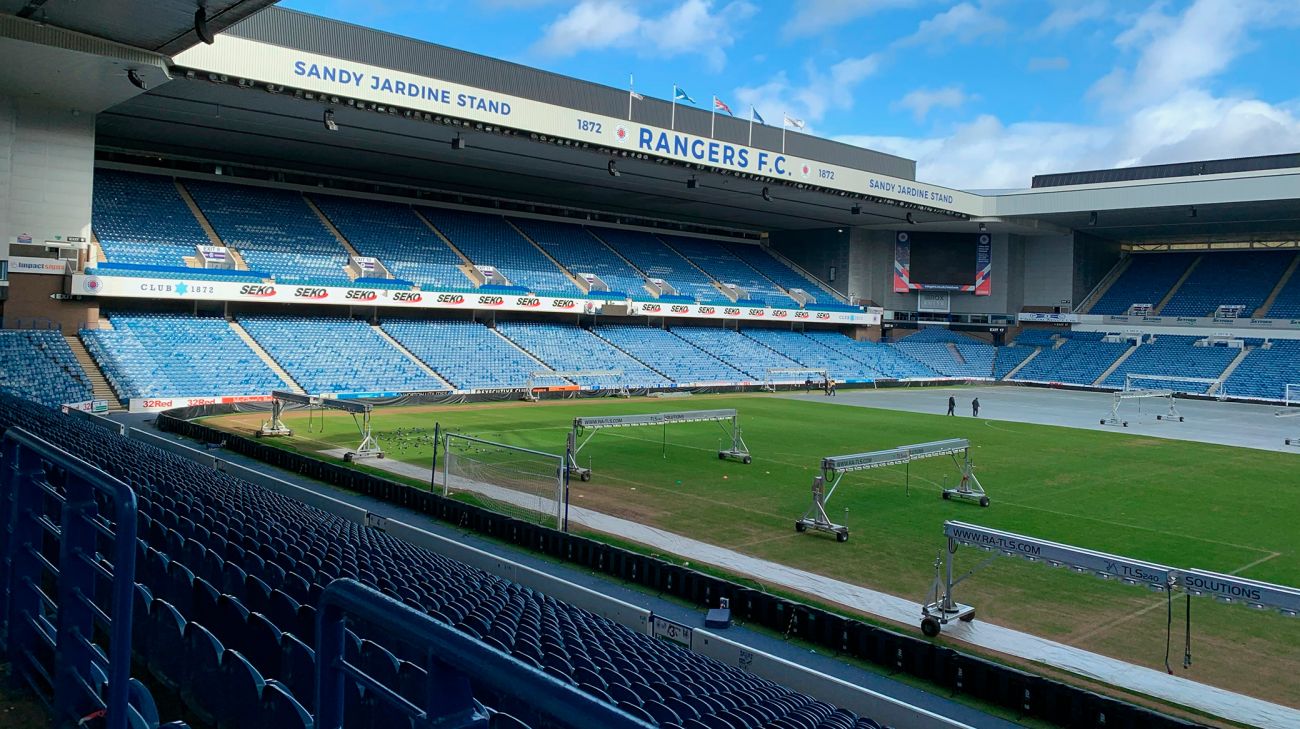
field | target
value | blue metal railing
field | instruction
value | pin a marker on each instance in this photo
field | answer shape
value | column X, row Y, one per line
column 69, row 526
column 452, row 660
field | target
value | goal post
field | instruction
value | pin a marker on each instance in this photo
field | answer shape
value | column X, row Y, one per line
column 584, row 429
column 774, row 376
column 571, row 381
column 1290, row 401
column 1162, row 388
column 520, row 482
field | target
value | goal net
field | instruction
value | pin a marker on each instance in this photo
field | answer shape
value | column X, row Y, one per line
column 518, row 482
column 774, row 376
column 1290, row 402
column 1170, row 383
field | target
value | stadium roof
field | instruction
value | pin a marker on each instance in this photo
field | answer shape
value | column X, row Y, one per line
column 161, row 26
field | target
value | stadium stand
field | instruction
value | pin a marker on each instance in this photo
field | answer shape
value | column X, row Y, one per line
column 230, row 578
column 949, row 353
column 810, row 353
column 467, row 354
column 725, row 268
column 174, row 355
column 734, row 348
column 174, row 272
column 141, row 219
column 395, row 235
column 1242, row 278
column 1266, row 371
column 309, row 349
column 1146, row 281
column 657, row 260
column 1173, row 356
column 274, row 230
column 39, row 365
column 580, row 252
column 1287, row 303
column 570, row 348
column 1006, row 359
column 883, row 359
column 489, row 240
column 782, row 275
column 1038, row 337
column 1077, row 362
column 680, row 361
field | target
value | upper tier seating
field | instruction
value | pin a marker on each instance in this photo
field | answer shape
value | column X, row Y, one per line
column 336, row 355
column 782, row 275
column 1146, row 281
column 1287, row 303
column 1037, row 337
column 399, row 238
column 488, row 240
column 39, row 365
column 580, row 252
column 657, row 260
column 1266, row 372
column 566, row 347
column 725, row 268
column 1243, row 278
column 1173, row 356
column 467, row 354
column 1077, row 362
column 737, row 350
column 274, row 230
column 142, row 219
column 810, row 353
column 883, row 359
column 176, row 355
column 682, row 362
column 230, row 576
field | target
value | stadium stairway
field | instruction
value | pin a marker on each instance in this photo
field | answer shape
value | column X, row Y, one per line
column 1116, row 364
column 1217, row 387
column 1104, row 285
column 1037, row 351
column 466, row 265
column 1277, row 289
column 1173, row 290
column 263, row 355
column 199, row 216
column 325, row 221
column 407, row 353
column 98, row 383
column 582, row 285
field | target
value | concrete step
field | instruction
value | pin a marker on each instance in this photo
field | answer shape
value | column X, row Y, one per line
column 1217, row 387
column 1104, row 285
column 1115, row 365
column 466, row 266
column 98, row 382
column 582, row 285
column 1155, row 311
column 1037, row 351
column 266, row 357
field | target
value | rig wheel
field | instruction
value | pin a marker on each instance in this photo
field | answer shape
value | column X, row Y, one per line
column 930, row 627
column 800, row 526
column 984, row 501
column 841, row 536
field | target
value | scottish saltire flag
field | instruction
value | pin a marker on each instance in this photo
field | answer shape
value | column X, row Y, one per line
column 720, row 105
column 755, row 116
column 679, row 94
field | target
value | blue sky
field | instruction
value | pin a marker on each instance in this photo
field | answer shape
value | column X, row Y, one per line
column 982, row 93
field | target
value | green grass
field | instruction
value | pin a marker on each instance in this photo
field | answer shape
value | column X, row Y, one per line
column 1185, row 504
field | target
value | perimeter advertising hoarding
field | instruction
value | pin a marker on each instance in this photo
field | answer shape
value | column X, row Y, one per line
column 243, row 58
column 171, row 289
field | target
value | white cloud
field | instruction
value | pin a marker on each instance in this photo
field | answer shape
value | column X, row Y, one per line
column 1052, row 63
column 964, row 22
column 921, row 101
column 820, row 92
column 812, row 17
column 1069, row 13
column 691, row 27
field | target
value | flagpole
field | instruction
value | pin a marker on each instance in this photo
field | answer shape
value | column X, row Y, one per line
column 672, row 120
column 713, row 115
column 630, row 88
column 785, row 119
column 750, row 143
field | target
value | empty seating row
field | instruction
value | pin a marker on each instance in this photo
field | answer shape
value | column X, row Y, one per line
column 780, row 274
column 725, row 268
column 1147, row 280
column 467, row 354
column 680, row 361
column 649, row 254
column 1173, row 356
column 1238, row 278
column 336, row 355
column 579, row 251
column 38, row 364
column 177, row 355
column 142, row 219
column 737, row 350
column 883, row 359
column 489, row 240
column 569, row 348
column 1266, row 371
column 810, row 353
column 1078, row 362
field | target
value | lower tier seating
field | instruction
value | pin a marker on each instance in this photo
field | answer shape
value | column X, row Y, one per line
column 1077, row 362
column 230, row 576
column 175, row 355
column 737, row 350
column 1173, row 356
column 335, row 355
column 467, row 354
column 810, row 353
column 569, row 348
column 1266, row 371
column 38, row 364
column 682, row 362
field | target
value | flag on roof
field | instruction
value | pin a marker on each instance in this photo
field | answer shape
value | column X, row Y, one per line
column 796, row 123
column 755, row 116
column 679, row 94
column 720, row 105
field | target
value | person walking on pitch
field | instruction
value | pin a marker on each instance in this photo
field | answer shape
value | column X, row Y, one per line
column 952, row 405
column 975, row 408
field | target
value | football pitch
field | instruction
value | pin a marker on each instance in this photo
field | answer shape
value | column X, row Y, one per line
column 1220, row 508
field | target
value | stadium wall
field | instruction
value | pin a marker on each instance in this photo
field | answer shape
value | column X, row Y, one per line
column 46, row 172
column 1093, row 259
column 29, row 304
column 1049, row 267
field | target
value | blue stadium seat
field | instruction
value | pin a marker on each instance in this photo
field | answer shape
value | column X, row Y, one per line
column 39, row 365
column 578, row 250
column 142, row 219
column 489, row 240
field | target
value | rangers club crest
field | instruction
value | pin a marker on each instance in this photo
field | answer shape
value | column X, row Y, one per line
column 620, row 134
